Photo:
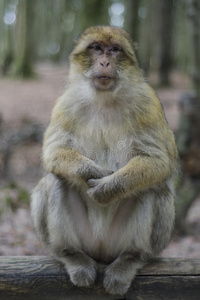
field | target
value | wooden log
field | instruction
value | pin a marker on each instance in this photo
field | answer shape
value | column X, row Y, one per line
column 42, row 278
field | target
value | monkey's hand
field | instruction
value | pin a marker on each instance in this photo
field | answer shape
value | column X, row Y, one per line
column 92, row 171
column 104, row 190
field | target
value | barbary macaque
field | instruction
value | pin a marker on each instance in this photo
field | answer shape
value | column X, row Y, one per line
column 111, row 160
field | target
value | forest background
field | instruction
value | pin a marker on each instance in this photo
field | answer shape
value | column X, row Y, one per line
column 36, row 38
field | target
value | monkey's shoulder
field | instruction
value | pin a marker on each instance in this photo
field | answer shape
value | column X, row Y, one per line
column 150, row 113
column 60, row 116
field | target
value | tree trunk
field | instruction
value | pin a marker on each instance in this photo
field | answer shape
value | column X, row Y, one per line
column 22, row 61
column 194, row 13
column 166, row 26
column 132, row 18
column 6, row 32
column 94, row 12
column 147, row 35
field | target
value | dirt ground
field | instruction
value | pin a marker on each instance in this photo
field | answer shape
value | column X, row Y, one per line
column 32, row 101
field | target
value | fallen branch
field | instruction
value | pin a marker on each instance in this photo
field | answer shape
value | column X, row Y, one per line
column 36, row 278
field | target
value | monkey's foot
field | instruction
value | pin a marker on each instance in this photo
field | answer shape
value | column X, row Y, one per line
column 115, row 285
column 83, row 275
column 117, row 281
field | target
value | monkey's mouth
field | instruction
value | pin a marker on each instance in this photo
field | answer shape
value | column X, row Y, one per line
column 104, row 82
column 104, row 77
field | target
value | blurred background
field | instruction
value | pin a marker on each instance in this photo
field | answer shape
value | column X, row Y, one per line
column 36, row 38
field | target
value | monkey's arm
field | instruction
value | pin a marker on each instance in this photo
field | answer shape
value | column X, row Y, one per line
column 141, row 172
column 70, row 164
column 61, row 159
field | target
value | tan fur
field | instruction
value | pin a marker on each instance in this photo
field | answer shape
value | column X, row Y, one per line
column 111, row 158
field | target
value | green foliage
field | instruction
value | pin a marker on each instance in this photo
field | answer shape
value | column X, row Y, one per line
column 13, row 197
column 23, row 196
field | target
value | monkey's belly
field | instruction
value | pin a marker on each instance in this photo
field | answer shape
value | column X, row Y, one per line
column 104, row 232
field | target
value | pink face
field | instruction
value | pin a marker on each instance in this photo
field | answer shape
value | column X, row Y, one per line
column 105, row 58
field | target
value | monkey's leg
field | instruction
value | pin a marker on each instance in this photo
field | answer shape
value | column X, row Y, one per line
column 164, row 222
column 81, row 268
column 52, row 216
column 120, row 273
column 65, row 241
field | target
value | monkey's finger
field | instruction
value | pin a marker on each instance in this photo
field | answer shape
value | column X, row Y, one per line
column 92, row 182
column 102, row 173
column 109, row 172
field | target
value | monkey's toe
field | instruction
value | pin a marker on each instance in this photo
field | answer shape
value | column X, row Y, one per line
column 115, row 286
column 83, row 276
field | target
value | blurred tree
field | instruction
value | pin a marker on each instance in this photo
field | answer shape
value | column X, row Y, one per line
column 46, row 30
column 146, row 34
column 55, row 10
column 95, row 12
column 194, row 15
column 24, row 47
column 165, row 14
column 156, row 37
column 132, row 18
column 188, row 138
column 67, row 29
column 181, row 46
column 6, row 34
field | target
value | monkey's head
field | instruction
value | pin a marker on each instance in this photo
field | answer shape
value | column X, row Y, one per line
column 104, row 56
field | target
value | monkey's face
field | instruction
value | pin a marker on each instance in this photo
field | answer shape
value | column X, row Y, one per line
column 104, row 59
column 104, row 56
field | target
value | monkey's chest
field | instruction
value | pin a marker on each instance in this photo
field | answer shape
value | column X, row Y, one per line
column 110, row 150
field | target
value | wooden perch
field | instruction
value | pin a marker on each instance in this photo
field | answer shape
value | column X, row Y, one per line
column 42, row 278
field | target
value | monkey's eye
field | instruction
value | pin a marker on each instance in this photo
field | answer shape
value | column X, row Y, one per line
column 95, row 47
column 116, row 49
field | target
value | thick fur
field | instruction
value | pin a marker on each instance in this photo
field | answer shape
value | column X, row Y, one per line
column 111, row 159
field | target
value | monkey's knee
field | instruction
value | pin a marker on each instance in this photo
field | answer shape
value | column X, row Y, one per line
column 39, row 204
column 43, row 188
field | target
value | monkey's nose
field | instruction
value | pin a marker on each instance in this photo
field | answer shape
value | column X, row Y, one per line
column 104, row 64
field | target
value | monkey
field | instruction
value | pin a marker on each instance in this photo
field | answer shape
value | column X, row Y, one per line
column 111, row 159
